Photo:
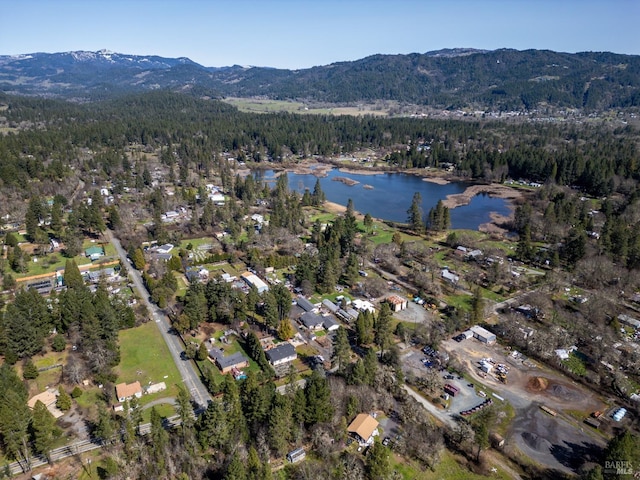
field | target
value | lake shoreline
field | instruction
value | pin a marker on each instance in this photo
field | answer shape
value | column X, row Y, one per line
column 496, row 222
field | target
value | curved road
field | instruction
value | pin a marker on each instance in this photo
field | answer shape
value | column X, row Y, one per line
column 190, row 377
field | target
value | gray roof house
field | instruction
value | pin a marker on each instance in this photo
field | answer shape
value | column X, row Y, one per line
column 311, row 320
column 304, row 304
column 330, row 324
column 282, row 353
column 227, row 362
column 329, row 305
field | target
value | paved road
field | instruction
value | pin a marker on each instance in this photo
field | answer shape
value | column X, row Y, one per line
column 190, row 376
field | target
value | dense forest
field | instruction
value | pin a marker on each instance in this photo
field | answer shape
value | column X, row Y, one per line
column 581, row 221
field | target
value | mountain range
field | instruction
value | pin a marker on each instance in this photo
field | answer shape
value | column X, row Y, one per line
column 503, row 79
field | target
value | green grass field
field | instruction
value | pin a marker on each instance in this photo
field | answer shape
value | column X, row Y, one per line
column 145, row 357
column 448, row 468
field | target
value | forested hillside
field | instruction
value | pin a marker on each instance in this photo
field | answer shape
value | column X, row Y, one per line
column 500, row 80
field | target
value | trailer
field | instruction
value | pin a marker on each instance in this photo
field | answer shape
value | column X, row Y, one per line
column 451, row 390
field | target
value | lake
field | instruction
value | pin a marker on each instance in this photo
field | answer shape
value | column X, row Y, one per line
column 388, row 195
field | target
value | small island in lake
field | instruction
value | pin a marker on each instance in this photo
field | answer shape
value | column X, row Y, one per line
column 347, row 181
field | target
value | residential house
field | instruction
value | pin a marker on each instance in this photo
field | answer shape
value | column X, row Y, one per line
column 48, row 398
column 329, row 305
column 94, row 252
column 125, row 391
column 281, row 356
column 397, row 303
column 94, row 276
column 197, row 274
column 311, row 321
column 305, row 304
column 226, row 363
column 364, row 428
column 329, row 323
column 363, row 305
column 166, row 248
column 43, row 287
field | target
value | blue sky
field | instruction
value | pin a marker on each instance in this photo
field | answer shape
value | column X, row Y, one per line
column 304, row 33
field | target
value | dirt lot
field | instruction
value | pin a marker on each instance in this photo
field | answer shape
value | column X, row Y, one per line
column 560, row 442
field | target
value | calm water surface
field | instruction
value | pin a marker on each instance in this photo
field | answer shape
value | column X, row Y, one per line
column 391, row 195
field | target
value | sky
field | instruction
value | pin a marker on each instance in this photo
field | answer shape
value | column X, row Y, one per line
column 297, row 34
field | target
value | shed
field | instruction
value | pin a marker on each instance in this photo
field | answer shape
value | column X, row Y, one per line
column 253, row 280
column 296, row 455
column 496, row 440
column 592, row 422
column 485, row 336
column 397, row 303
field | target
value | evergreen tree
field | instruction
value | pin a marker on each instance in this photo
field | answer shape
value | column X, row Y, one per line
column 318, row 197
column 415, row 214
column 384, row 332
column 341, row 350
column 184, row 409
column 624, row 448
column 72, row 276
column 43, row 429
column 138, row 259
column 15, row 415
column 364, row 328
column 368, row 222
column 29, row 370
column 477, row 306
column 202, row 353
column 63, row 402
column 236, row 469
column 317, row 395
column 378, row 462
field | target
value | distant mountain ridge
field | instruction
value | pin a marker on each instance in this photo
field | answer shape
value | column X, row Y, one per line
column 503, row 79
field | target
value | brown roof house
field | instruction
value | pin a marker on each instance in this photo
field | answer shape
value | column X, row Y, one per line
column 125, row 391
column 364, row 427
column 48, row 398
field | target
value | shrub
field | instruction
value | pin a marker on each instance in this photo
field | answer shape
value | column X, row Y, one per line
column 58, row 343
column 76, row 392
column 29, row 370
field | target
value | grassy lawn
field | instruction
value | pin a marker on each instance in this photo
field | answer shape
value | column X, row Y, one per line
column 164, row 409
column 196, row 242
column 51, row 262
column 448, row 468
column 182, row 286
column 145, row 357
column 461, row 302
